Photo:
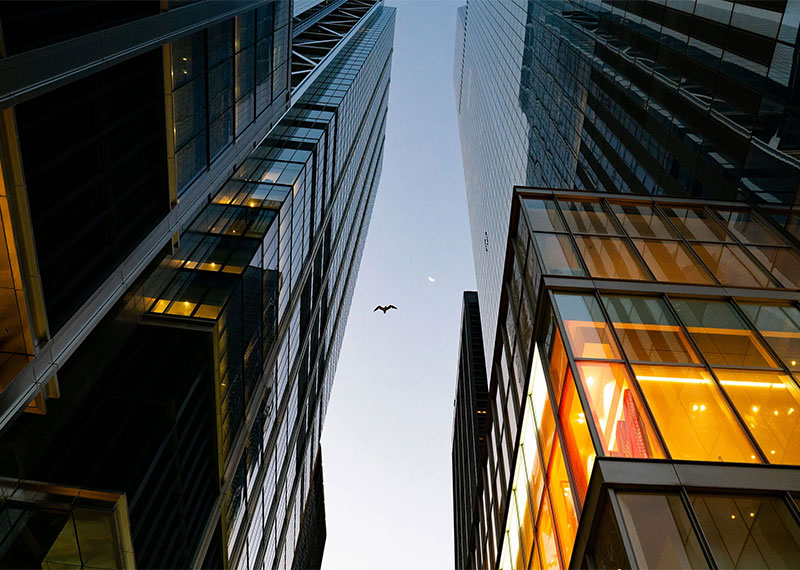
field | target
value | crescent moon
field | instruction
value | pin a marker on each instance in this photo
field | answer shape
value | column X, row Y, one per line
column 431, row 279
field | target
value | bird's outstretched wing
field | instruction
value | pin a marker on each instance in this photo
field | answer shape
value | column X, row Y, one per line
column 391, row 307
column 376, row 308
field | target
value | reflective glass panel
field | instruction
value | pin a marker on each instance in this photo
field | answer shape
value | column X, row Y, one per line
column 780, row 326
column 577, row 441
column 621, row 422
column 648, row 331
column 546, row 537
column 783, row 263
column 731, row 265
column 748, row 532
column 696, row 224
column 610, row 258
column 722, row 336
column 606, row 548
column 558, row 256
column 562, row 502
column 769, row 403
column 748, row 228
column 640, row 220
column 693, row 417
column 587, row 331
column 660, row 532
column 589, row 218
column 543, row 215
column 672, row 261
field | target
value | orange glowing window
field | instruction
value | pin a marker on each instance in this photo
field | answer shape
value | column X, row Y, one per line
column 641, row 220
column 769, row 403
column 577, row 441
column 589, row 217
column 693, row 417
column 696, row 224
column 782, row 262
column 610, row 258
column 722, row 336
column 546, row 537
column 587, row 330
column 648, row 331
column 562, row 501
column 624, row 428
column 730, row 264
column 672, row 261
column 558, row 365
column 780, row 326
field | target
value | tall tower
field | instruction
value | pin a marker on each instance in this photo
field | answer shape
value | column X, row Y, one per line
column 187, row 188
column 632, row 174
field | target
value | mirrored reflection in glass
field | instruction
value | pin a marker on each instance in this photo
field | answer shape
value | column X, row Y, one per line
column 748, row 228
column 587, row 330
column 543, row 215
column 641, row 220
column 672, row 261
column 648, row 331
column 610, row 258
column 692, row 415
column 577, row 441
column 696, row 224
column 660, row 532
column 730, row 264
column 606, row 548
column 783, row 263
column 722, row 336
column 780, row 326
column 558, row 256
column 589, row 218
column 748, row 532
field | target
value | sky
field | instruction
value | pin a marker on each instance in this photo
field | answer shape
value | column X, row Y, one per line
column 386, row 443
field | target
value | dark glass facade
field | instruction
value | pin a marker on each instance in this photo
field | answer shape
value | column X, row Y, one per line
column 639, row 295
column 207, row 250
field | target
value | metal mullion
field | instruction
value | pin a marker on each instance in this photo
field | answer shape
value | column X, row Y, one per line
column 633, row 381
column 716, row 380
column 687, row 244
column 567, row 232
column 573, row 368
column 697, row 527
column 744, row 248
column 794, row 508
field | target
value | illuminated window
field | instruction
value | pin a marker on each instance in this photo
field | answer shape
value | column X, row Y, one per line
column 660, row 533
column 621, row 422
column 731, row 265
column 692, row 415
column 783, row 263
column 610, row 258
column 577, row 441
column 587, row 331
column 748, row 532
column 648, row 331
column 696, row 224
column 672, row 261
column 769, row 403
column 558, row 256
column 545, row 537
column 723, row 338
column 780, row 326
column 558, row 365
column 562, row 502
column 589, row 218
column 640, row 220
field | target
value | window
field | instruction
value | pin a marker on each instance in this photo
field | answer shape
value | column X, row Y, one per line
column 577, row 441
column 672, row 261
column 640, row 220
column 780, row 326
column 589, row 218
column 722, row 336
column 748, row 532
column 747, row 228
column 610, row 258
column 692, row 415
column 543, row 215
column 648, row 331
column 783, row 264
column 660, row 532
column 587, row 331
column 731, row 265
column 696, row 224
column 558, row 256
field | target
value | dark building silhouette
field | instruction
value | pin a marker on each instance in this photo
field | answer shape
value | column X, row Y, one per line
column 186, row 191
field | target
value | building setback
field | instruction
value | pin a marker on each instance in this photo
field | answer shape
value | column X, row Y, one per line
column 187, row 188
column 632, row 174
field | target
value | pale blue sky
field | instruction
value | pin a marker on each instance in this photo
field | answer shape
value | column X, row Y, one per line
column 386, row 444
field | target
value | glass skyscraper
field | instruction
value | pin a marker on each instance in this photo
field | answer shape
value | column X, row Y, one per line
column 187, row 187
column 632, row 174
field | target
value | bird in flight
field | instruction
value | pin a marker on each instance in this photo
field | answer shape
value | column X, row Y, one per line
column 384, row 308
